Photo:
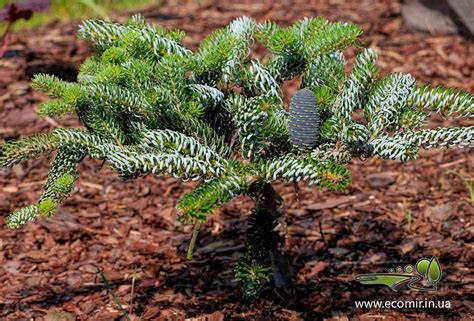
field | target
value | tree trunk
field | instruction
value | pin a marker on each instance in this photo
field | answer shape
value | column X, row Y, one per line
column 270, row 204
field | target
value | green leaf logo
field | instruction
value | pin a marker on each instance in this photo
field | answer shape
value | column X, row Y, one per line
column 422, row 266
column 417, row 277
column 434, row 270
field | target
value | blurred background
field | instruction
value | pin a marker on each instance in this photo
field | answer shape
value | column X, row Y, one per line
column 63, row 10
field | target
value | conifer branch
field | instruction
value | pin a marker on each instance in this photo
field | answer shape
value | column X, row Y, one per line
column 172, row 142
column 158, row 40
column 196, row 128
column 294, row 169
column 440, row 137
column 55, row 108
column 394, row 148
column 446, row 101
column 353, row 94
column 15, row 151
column 210, row 196
column 389, row 99
column 23, row 216
column 50, row 85
column 325, row 71
column 62, row 177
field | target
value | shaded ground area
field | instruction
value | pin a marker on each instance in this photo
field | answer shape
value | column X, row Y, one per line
column 393, row 213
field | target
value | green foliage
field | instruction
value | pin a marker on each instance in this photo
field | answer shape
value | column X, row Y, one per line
column 221, row 55
column 387, row 101
column 293, row 169
column 331, row 37
column 394, row 148
column 15, row 151
column 357, row 86
column 149, row 105
column 260, row 122
column 138, row 38
column 47, row 207
column 253, row 276
column 325, row 73
column 49, row 84
column 62, row 176
column 440, row 137
column 23, row 216
column 54, row 108
column 446, row 101
column 211, row 195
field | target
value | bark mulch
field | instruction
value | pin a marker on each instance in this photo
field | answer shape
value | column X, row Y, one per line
column 393, row 213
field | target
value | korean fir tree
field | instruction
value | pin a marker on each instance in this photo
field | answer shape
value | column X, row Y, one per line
column 149, row 105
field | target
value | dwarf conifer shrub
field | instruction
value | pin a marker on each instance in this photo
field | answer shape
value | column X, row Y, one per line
column 149, row 105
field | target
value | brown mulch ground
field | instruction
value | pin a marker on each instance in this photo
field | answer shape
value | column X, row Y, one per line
column 130, row 227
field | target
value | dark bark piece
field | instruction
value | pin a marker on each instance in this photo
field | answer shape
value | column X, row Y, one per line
column 281, row 270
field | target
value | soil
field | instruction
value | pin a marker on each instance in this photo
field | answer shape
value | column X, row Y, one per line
column 393, row 213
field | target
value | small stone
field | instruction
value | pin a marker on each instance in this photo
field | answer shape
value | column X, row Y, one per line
column 440, row 212
column 380, row 180
column 338, row 251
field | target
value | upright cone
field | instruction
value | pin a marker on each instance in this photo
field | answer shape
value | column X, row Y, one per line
column 304, row 120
